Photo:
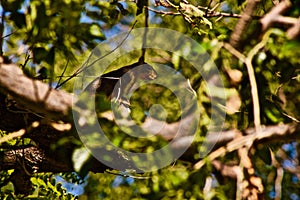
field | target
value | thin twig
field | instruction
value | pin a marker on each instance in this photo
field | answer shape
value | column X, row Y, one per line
column 235, row 52
column 213, row 13
column 247, row 140
column 207, row 8
column 127, row 175
column 239, row 182
column 210, row 14
column 278, row 182
column 12, row 135
column 1, row 32
column 171, row 4
column 254, row 92
column 251, row 73
column 142, row 58
column 230, row 147
column 62, row 74
column 248, row 61
column 279, row 175
column 19, row 133
column 86, row 65
column 222, row 14
column 7, row 35
column 163, row 12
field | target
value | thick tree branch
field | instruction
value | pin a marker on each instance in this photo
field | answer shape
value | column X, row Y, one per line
column 27, row 160
column 242, row 24
column 275, row 14
column 55, row 105
column 275, row 17
column 35, row 159
column 14, row 121
column 12, row 78
column 251, row 136
column 231, row 171
column 33, row 94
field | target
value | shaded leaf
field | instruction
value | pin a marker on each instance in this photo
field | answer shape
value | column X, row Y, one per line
column 19, row 19
column 39, row 54
column 11, row 6
column 50, row 56
column 140, row 6
column 265, row 154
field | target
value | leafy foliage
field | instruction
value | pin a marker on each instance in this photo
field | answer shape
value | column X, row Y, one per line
column 58, row 35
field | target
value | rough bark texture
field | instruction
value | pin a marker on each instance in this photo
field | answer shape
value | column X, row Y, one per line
column 39, row 103
column 33, row 94
column 243, row 23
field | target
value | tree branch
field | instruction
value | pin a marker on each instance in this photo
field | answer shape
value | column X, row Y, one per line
column 274, row 15
column 251, row 136
column 242, row 24
column 53, row 104
column 33, row 94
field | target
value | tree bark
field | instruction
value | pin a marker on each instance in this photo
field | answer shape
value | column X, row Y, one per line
column 48, row 106
column 34, row 95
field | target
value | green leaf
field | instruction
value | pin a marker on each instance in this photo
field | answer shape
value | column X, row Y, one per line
column 19, row 19
column 34, row 180
column 11, row 6
column 80, row 158
column 192, row 11
column 265, row 154
column 96, row 30
column 102, row 103
column 50, row 56
column 39, row 54
column 41, row 182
